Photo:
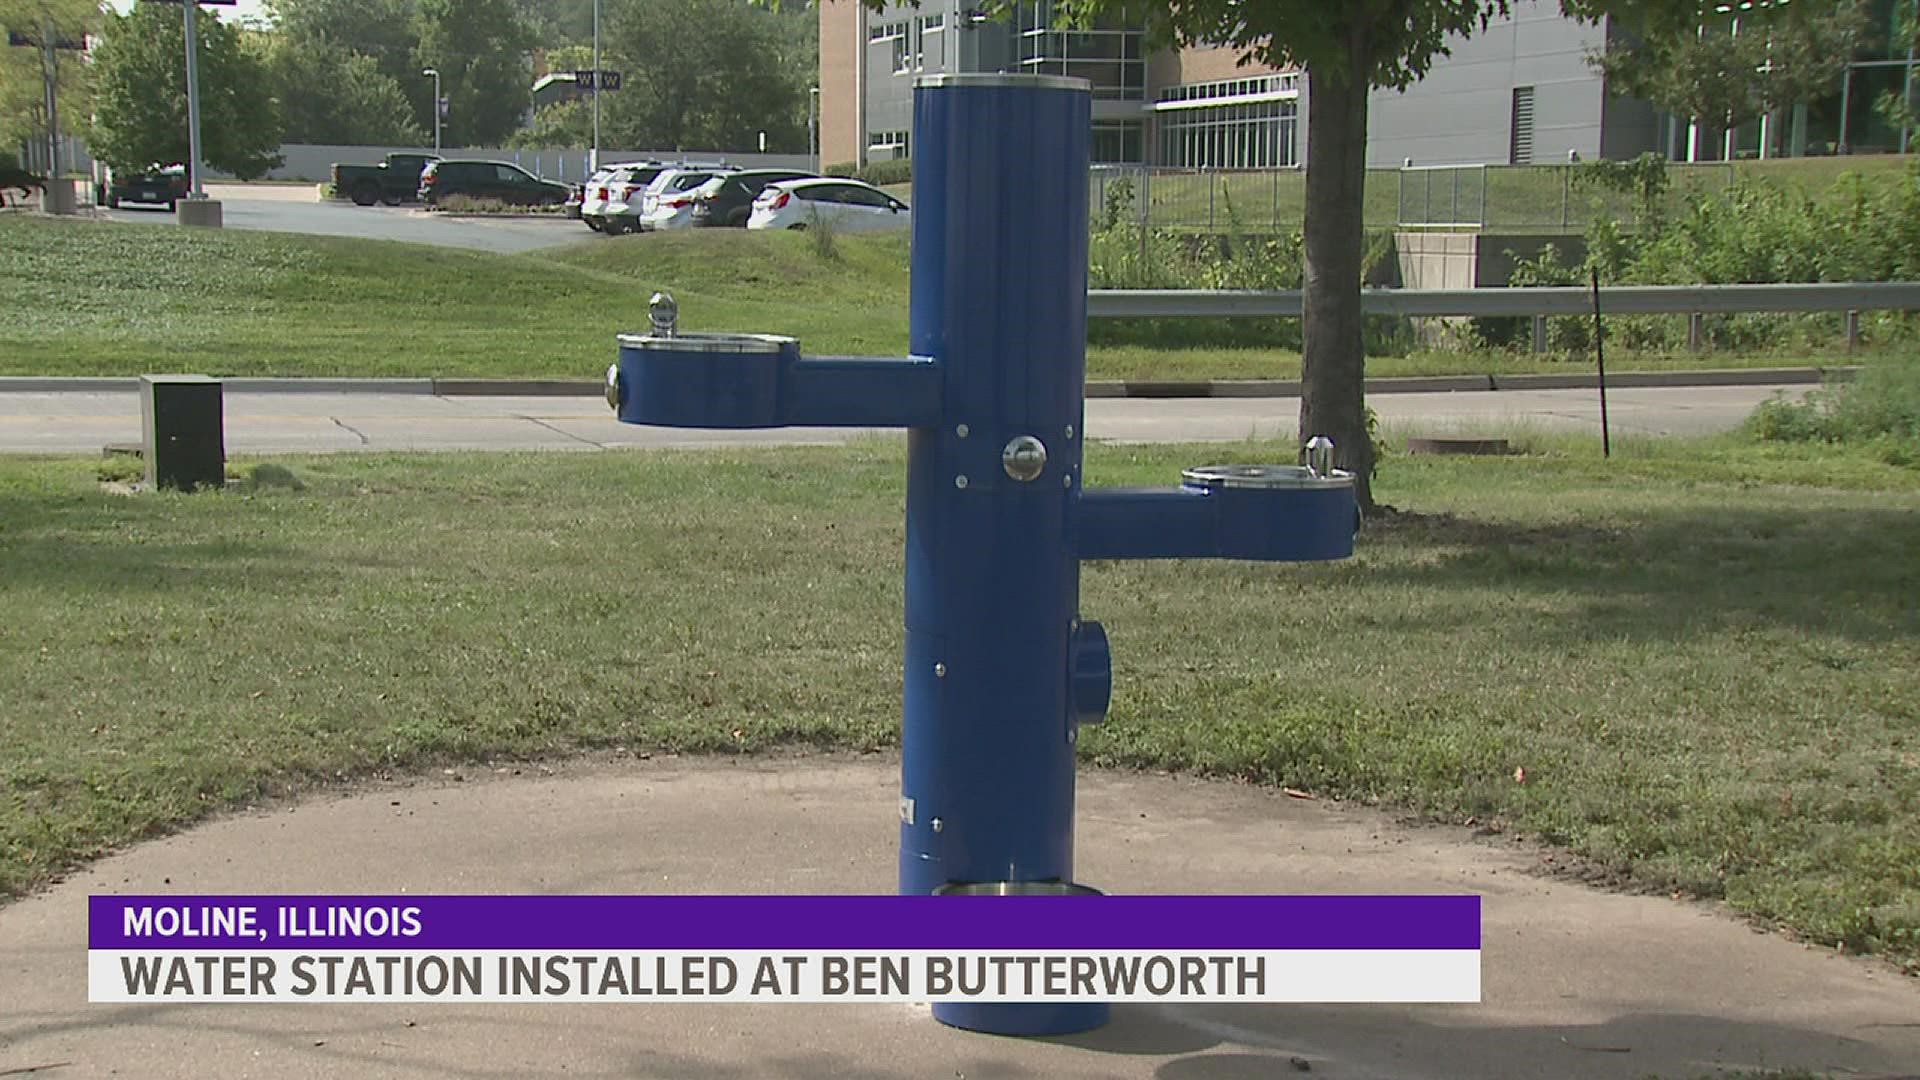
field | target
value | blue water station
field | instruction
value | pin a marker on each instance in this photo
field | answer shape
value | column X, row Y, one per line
column 1000, row 670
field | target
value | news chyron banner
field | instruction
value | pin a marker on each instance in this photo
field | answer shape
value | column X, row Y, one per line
column 686, row 949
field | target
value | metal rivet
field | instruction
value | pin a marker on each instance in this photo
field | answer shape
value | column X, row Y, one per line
column 1067, row 480
column 937, row 824
column 939, row 671
column 962, row 430
column 1069, row 431
column 960, row 481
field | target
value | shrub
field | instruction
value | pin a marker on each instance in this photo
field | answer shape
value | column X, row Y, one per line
column 1782, row 419
column 1879, row 409
column 469, row 204
column 877, row 173
column 822, row 237
column 883, row 173
column 1883, row 401
column 1753, row 232
column 1121, row 255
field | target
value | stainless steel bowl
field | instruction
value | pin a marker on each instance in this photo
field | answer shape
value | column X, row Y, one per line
column 1263, row 477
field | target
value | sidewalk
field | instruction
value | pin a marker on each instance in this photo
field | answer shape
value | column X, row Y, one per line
column 417, row 420
column 1578, row 983
column 1097, row 388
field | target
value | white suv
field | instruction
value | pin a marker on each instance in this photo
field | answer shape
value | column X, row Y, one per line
column 668, row 202
column 606, row 183
column 850, row 205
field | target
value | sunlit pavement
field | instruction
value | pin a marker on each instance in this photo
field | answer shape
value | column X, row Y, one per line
column 274, row 423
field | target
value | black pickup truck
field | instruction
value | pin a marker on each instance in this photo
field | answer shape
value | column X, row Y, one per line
column 393, row 181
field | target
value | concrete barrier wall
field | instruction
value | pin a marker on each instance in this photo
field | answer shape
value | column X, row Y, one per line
column 1436, row 259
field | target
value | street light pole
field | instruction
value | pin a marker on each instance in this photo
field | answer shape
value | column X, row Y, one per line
column 593, row 159
column 435, row 73
column 50, row 77
column 193, row 107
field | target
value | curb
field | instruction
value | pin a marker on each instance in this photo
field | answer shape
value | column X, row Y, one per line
column 1102, row 388
column 518, row 388
column 38, row 384
column 1726, row 377
column 328, row 386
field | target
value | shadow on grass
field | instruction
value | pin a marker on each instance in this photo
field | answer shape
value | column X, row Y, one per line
column 138, row 566
column 1851, row 572
column 119, row 544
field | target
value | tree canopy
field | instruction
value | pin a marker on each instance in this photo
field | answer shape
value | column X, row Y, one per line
column 381, row 30
column 140, row 79
column 706, row 74
column 361, row 105
column 479, row 47
column 23, row 114
column 1727, row 67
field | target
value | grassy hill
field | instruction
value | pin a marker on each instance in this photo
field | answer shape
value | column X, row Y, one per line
column 98, row 298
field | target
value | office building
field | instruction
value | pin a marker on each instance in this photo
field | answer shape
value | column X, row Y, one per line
column 1520, row 92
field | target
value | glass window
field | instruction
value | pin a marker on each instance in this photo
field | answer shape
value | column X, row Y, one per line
column 1116, row 142
column 1251, row 135
column 859, row 196
column 1109, row 54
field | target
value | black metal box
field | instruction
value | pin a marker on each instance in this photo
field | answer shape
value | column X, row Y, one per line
column 183, row 429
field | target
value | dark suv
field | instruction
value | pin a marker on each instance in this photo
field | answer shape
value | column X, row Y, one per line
column 727, row 201
column 155, row 184
column 489, row 180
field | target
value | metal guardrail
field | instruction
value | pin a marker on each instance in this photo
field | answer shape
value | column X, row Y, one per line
column 1538, row 302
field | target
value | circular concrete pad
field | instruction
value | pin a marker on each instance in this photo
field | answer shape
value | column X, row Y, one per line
column 1578, row 983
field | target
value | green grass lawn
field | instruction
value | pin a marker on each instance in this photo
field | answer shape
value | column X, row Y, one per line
column 98, row 298
column 1702, row 655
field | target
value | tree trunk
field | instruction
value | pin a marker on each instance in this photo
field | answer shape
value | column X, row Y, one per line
column 1333, row 360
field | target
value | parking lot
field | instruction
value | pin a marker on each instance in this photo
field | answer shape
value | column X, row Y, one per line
column 298, row 208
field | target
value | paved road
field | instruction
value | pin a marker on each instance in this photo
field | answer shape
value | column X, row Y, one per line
column 295, row 209
column 260, row 423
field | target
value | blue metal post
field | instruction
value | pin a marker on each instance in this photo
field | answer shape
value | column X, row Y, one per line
column 999, row 297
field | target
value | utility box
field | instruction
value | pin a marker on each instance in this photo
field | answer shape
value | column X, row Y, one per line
column 183, row 431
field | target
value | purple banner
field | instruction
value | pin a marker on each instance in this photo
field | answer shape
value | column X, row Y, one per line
column 773, row 923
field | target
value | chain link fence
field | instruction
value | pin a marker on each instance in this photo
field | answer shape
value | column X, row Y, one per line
column 1539, row 198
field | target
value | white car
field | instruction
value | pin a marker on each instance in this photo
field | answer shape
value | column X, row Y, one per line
column 849, row 205
column 668, row 202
